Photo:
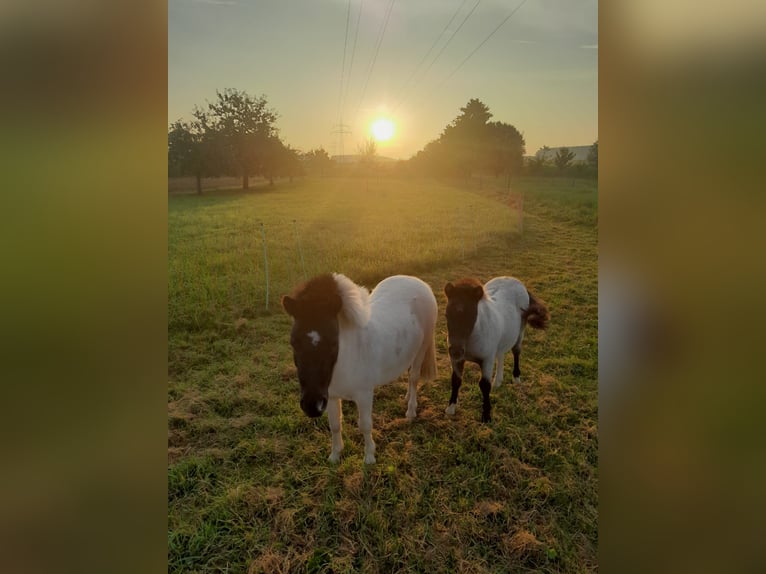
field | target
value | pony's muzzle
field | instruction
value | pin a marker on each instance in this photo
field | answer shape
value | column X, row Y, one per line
column 313, row 406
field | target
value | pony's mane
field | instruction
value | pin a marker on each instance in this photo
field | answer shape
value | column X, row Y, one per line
column 356, row 301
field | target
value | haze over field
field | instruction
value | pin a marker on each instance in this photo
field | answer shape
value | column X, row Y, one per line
column 414, row 64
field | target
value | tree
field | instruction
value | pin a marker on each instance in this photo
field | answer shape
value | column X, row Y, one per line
column 506, row 149
column 466, row 138
column 593, row 156
column 470, row 144
column 289, row 162
column 191, row 152
column 318, row 160
column 243, row 126
column 368, row 150
column 563, row 158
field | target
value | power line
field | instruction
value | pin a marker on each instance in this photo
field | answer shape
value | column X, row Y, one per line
column 423, row 75
column 342, row 73
column 353, row 54
column 438, row 38
column 374, row 58
column 343, row 65
column 468, row 57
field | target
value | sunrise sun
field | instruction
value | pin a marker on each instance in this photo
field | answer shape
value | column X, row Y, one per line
column 382, row 129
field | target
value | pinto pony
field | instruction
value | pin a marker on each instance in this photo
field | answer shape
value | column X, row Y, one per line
column 484, row 322
column 347, row 341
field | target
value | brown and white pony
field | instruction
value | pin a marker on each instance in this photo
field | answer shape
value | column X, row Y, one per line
column 347, row 341
column 484, row 322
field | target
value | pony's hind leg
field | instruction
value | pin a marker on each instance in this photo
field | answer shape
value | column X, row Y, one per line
column 484, row 385
column 364, row 406
column 498, row 371
column 412, row 393
column 457, row 380
column 335, row 416
column 516, row 352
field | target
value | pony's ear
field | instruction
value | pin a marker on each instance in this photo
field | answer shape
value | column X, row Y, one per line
column 290, row 305
column 449, row 288
column 478, row 292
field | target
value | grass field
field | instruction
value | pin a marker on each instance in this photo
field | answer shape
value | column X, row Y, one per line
column 249, row 488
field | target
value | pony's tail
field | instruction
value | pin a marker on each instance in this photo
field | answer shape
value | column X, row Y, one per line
column 536, row 314
column 428, row 368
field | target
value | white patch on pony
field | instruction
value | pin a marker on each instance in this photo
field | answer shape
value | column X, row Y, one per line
column 516, row 380
column 314, row 336
column 450, row 410
column 356, row 301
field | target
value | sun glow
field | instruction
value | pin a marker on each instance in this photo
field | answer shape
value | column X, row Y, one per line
column 382, row 129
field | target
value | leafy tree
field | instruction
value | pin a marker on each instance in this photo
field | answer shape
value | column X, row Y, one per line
column 191, row 151
column 470, row 144
column 318, row 160
column 563, row 158
column 289, row 162
column 593, row 156
column 466, row 138
column 506, row 149
column 243, row 126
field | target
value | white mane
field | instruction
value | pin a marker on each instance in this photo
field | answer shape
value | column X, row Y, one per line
column 356, row 301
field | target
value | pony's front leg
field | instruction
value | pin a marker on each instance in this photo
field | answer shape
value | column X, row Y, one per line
column 335, row 416
column 364, row 406
column 457, row 380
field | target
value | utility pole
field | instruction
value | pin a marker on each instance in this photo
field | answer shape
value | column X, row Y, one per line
column 341, row 130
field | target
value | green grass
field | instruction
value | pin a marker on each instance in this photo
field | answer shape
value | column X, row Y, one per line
column 249, row 488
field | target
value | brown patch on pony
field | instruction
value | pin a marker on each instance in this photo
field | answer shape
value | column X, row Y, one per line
column 536, row 315
column 317, row 294
column 464, row 285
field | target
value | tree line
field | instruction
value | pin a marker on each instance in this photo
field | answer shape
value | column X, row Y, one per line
column 562, row 163
column 235, row 135
column 472, row 145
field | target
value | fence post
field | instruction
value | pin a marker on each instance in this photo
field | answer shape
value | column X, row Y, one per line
column 266, row 263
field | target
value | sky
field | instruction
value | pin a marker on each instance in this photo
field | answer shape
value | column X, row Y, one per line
column 538, row 71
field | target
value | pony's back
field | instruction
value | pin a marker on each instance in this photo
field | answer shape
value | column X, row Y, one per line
column 509, row 293
column 390, row 342
column 404, row 292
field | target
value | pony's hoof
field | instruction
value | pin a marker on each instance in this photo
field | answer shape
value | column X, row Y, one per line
column 369, row 459
column 517, row 380
column 486, row 418
column 450, row 410
column 496, row 384
column 411, row 415
column 334, row 458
